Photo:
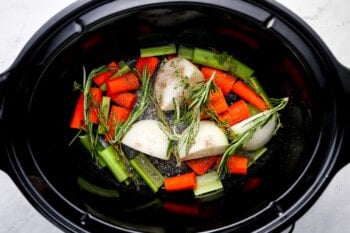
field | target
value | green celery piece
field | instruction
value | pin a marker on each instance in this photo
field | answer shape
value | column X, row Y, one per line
column 158, row 50
column 148, row 172
column 85, row 141
column 114, row 163
column 104, row 110
column 222, row 61
column 185, row 52
column 208, row 184
column 94, row 189
column 256, row 155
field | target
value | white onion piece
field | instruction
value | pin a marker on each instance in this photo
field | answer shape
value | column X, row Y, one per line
column 262, row 135
column 147, row 137
column 210, row 140
column 170, row 79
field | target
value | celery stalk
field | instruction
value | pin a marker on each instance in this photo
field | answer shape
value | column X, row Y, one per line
column 104, row 110
column 158, row 50
column 185, row 52
column 208, row 185
column 114, row 163
column 148, row 172
column 222, row 61
column 256, row 155
column 85, row 141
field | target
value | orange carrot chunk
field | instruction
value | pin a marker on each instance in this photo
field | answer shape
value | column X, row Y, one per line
column 245, row 92
column 202, row 165
column 124, row 83
column 186, row 181
column 95, row 102
column 125, row 99
column 238, row 111
column 237, row 164
column 222, row 79
column 148, row 63
column 101, row 78
column 117, row 115
column 77, row 120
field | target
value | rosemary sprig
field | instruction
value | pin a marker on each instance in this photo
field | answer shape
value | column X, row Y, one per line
column 198, row 99
column 241, row 139
column 121, row 129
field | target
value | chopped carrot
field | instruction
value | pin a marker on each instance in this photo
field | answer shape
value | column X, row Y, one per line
column 117, row 115
column 245, row 92
column 125, row 99
column 222, row 79
column 113, row 66
column 218, row 160
column 237, row 164
column 148, row 63
column 236, row 112
column 124, row 83
column 217, row 103
column 186, row 181
column 181, row 208
column 95, row 102
column 101, row 78
column 201, row 165
column 77, row 120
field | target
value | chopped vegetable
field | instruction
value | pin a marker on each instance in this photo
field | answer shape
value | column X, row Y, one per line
column 202, row 165
column 103, row 116
column 209, row 140
column 217, row 104
column 125, row 99
column 222, row 61
column 77, row 120
column 114, row 163
column 222, row 80
column 147, row 64
column 237, row 112
column 185, row 52
column 147, row 136
column 102, row 78
column 158, row 50
column 95, row 103
column 237, row 164
column 173, row 80
column 185, row 181
column 248, row 94
column 243, row 131
column 117, row 116
column 208, row 185
column 262, row 135
column 148, row 172
column 124, row 83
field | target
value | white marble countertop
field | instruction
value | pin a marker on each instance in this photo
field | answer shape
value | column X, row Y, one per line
column 19, row 19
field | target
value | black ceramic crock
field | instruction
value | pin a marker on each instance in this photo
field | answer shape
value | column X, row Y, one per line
column 289, row 58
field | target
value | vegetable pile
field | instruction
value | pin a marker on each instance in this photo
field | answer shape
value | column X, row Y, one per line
column 211, row 114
